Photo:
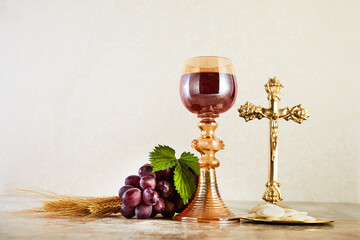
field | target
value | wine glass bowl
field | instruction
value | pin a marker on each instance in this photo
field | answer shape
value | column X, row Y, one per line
column 208, row 85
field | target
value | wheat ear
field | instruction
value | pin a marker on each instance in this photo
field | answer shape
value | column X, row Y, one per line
column 64, row 205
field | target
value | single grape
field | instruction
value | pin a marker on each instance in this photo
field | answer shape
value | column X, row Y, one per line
column 179, row 203
column 164, row 189
column 163, row 174
column 147, row 182
column 169, row 210
column 160, row 206
column 183, row 208
column 133, row 180
column 132, row 197
column 143, row 211
column 153, row 213
column 171, row 178
column 150, row 196
column 126, row 211
column 123, row 189
column 146, row 170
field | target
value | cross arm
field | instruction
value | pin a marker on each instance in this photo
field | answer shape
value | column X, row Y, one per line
column 249, row 111
column 297, row 113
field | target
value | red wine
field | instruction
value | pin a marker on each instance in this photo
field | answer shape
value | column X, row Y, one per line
column 208, row 92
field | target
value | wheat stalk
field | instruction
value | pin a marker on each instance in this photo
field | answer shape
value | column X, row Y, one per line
column 63, row 205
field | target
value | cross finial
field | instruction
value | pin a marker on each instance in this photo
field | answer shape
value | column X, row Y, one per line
column 249, row 111
column 273, row 88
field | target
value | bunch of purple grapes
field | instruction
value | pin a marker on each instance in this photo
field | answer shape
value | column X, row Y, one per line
column 150, row 193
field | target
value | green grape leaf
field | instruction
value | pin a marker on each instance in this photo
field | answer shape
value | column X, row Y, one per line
column 162, row 157
column 184, row 181
column 191, row 161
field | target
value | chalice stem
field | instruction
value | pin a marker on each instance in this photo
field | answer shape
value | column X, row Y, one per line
column 207, row 204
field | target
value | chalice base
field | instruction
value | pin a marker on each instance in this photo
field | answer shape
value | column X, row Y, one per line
column 207, row 205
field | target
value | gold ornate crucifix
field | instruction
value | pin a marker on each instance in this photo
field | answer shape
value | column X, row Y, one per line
column 297, row 113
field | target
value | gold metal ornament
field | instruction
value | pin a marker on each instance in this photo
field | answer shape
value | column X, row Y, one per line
column 249, row 111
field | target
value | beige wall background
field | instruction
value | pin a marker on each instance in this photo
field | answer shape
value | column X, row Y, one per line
column 88, row 88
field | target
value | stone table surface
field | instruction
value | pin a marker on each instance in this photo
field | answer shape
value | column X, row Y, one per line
column 19, row 225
